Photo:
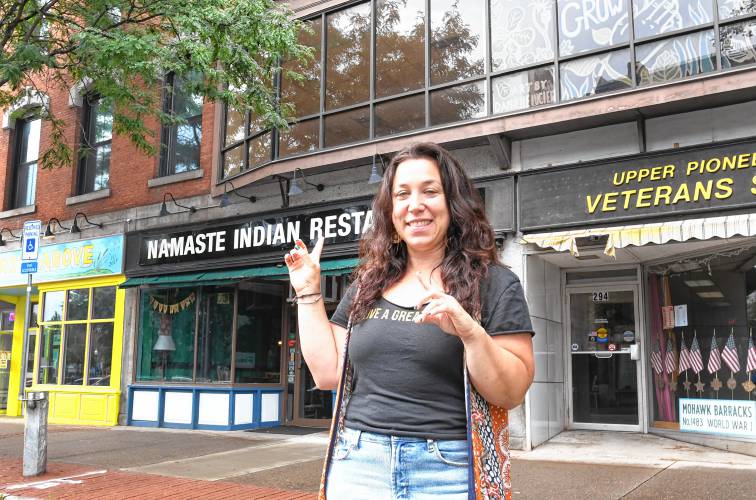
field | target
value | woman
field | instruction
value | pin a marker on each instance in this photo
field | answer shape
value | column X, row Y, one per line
column 430, row 309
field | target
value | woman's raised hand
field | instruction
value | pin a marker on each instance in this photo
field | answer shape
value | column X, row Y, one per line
column 304, row 267
column 444, row 311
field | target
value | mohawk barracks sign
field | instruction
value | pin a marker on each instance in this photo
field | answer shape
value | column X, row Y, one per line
column 722, row 177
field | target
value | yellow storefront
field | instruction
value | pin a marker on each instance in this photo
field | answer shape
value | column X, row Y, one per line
column 76, row 331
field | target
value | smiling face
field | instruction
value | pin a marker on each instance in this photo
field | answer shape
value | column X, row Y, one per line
column 419, row 210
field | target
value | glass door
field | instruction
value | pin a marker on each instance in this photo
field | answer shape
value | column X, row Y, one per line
column 604, row 356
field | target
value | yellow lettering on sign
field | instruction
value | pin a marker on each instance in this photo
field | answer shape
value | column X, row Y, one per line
column 723, row 185
column 87, row 257
column 643, row 196
column 753, row 181
column 702, row 190
column 592, row 205
column 627, row 194
column 610, row 202
column 682, row 194
column 662, row 192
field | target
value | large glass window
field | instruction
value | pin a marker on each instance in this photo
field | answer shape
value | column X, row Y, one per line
column 76, row 341
column 675, row 58
column 525, row 35
column 258, row 333
column 25, row 164
column 654, row 17
column 348, row 57
column 585, row 26
column 97, row 135
column 704, row 312
column 180, row 144
column 399, row 46
column 595, row 74
column 396, row 66
column 457, row 40
column 188, row 334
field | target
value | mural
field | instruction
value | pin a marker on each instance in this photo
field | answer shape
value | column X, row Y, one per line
column 522, row 34
column 676, row 58
column 654, row 17
column 732, row 8
column 738, row 43
column 595, row 74
column 585, row 26
column 523, row 90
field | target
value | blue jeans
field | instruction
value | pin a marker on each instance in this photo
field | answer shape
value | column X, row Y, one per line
column 366, row 465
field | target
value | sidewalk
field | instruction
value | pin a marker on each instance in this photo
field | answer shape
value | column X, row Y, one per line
column 127, row 462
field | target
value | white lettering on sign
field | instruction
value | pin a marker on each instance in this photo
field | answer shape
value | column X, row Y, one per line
column 259, row 235
column 714, row 416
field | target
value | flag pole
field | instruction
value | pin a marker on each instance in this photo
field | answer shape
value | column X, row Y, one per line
column 687, row 382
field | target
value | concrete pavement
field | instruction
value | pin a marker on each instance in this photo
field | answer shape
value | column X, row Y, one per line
column 112, row 462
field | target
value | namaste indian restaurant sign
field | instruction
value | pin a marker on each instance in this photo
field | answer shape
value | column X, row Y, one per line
column 669, row 183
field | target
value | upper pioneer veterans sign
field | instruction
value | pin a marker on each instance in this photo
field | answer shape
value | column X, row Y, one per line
column 256, row 236
column 722, row 177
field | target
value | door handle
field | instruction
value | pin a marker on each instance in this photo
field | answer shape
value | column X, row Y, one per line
column 635, row 352
column 603, row 355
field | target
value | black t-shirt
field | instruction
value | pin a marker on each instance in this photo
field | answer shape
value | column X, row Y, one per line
column 408, row 377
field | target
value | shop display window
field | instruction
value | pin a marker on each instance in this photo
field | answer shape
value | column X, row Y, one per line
column 76, row 341
column 190, row 334
column 701, row 351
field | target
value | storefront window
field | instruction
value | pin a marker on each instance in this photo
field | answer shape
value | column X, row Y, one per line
column 457, row 40
column 399, row 46
column 528, row 34
column 258, row 333
column 175, row 320
column 462, row 102
column 654, row 17
column 595, row 74
column 215, row 334
column 734, row 8
column 703, row 311
column 167, row 330
column 585, row 26
column 89, row 319
column 738, row 43
column 347, row 56
column 523, row 90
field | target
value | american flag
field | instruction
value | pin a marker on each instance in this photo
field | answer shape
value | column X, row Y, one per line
column 695, row 360
column 656, row 361
column 730, row 354
column 669, row 358
column 751, row 363
column 684, row 357
column 714, row 361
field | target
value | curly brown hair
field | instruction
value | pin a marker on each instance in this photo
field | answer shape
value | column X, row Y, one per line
column 470, row 245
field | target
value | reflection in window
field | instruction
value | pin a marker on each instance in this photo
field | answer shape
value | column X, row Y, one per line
column 258, row 333
column 300, row 138
column 25, row 168
column 235, row 126
column 400, row 115
column 399, row 46
column 654, row 17
column 77, row 305
column 233, row 161
column 458, row 40
column 53, row 310
column 524, row 34
column 462, row 102
column 100, row 353
column 523, row 90
column 73, row 354
column 595, row 75
column 348, row 56
column 97, row 132
column 259, row 150
column 675, row 58
column 591, row 25
column 733, row 8
column 738, row 43
column 103, row 302
column 180, row 144
column 304, row 95
column 346, row 127
column 49, row 353
column 215, row 334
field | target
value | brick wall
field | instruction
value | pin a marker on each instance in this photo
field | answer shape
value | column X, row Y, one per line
column 129, row 171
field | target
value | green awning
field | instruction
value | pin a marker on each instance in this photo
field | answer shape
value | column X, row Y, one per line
column 328, row 267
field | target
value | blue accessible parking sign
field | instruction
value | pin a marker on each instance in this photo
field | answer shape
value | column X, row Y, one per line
column 29, row 267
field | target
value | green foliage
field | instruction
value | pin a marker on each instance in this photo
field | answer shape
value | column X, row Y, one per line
column 126, row 47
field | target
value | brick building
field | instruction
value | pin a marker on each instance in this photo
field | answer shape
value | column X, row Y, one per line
column 613, row 142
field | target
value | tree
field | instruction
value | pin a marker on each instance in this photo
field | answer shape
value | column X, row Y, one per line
column 123, row 48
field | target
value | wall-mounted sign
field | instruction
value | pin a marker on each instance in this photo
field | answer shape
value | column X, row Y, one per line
column 717, row 416
column 66, row 261
column 256, row 235
column 697, row 179
column 681, row 315
column 600, row 296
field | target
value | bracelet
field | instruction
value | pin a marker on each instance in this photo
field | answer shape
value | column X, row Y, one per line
column 316, row 299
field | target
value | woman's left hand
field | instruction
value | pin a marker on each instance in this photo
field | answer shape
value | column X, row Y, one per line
column 444, row 311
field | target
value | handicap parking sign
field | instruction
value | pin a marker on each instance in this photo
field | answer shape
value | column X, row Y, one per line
column 30, row 240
